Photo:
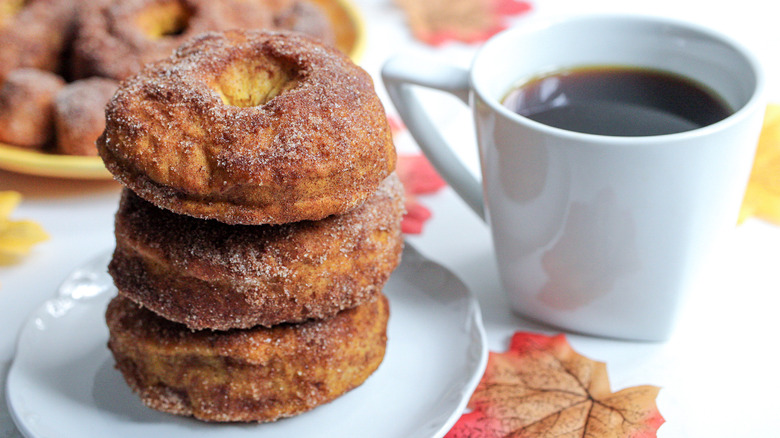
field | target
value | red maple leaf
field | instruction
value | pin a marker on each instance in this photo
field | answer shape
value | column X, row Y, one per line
column 418, row 177
column 542, row 387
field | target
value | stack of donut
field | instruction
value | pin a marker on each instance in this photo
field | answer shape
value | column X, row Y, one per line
column 61, row 60
column 259, row 223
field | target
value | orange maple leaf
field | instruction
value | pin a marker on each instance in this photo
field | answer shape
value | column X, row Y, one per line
column 542, row 387
column 436, row 22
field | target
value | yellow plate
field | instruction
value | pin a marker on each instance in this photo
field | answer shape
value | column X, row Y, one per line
column 349, row 25
column 63, row 166
column 350, row 38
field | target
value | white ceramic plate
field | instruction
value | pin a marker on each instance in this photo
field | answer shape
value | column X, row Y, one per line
column 62, row 382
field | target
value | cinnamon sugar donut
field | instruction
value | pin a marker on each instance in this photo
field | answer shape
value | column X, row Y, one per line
column 294, row 15
column 300, row 16
column 250, row 127
column 260, row 374
column 207, row 274
column 80, row 114
column 115, row 38
column 26, row 107
column 34, row 33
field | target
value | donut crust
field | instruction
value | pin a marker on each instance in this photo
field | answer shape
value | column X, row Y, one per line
column 305, row 17
column 79, row 115
column 27, row 107
column 250, row 127
column 34, row 34
column 116, row 38
column 257, row 375
column 206, row 274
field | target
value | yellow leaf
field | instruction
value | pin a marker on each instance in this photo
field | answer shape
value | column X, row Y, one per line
column 762, row 197
column 20, row 236
column 17, row 237
column 8, row 202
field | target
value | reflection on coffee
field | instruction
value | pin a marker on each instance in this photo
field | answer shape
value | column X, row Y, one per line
column 617, row 101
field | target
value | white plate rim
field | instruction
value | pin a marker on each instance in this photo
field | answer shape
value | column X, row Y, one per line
column 73, row 295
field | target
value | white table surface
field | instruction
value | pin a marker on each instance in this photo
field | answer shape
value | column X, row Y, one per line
column 717, row 373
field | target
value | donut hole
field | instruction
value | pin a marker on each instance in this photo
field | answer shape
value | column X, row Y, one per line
column 249, row 84
column 164, row 19
column 9, row 9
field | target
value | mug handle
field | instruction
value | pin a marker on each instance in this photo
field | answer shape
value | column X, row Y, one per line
column 399, row 74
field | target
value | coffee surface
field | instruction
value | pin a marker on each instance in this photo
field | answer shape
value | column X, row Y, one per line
column 617, row 101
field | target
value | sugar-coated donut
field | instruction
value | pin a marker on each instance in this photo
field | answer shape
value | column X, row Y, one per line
column 206, row 274
column 259, row 374
column 26, row 107
column 34, row 33
column 250, row 127
column 115, row 38
column 80, row 114
column 305, row 17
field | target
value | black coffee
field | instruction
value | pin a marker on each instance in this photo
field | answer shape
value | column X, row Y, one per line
column 618, row 101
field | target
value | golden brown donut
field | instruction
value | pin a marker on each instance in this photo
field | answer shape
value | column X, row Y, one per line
column 294, row 15
column 34, row 33
column 207, row 274
column 307, row 18
column 80, row 114
column 26, row 107
column 250, row 127
column 260, row 374
column 115, row 38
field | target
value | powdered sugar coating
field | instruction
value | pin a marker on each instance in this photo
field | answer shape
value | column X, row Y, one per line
column 317, row 143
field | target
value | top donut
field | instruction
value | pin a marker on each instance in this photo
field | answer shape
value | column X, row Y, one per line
column 250, row 127
column 113, row 39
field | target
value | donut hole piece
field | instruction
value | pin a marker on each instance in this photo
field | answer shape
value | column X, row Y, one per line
column 250, row 84
column 9, row 9
column 164, row 19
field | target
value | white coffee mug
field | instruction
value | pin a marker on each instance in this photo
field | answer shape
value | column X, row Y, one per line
column 595, row 234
